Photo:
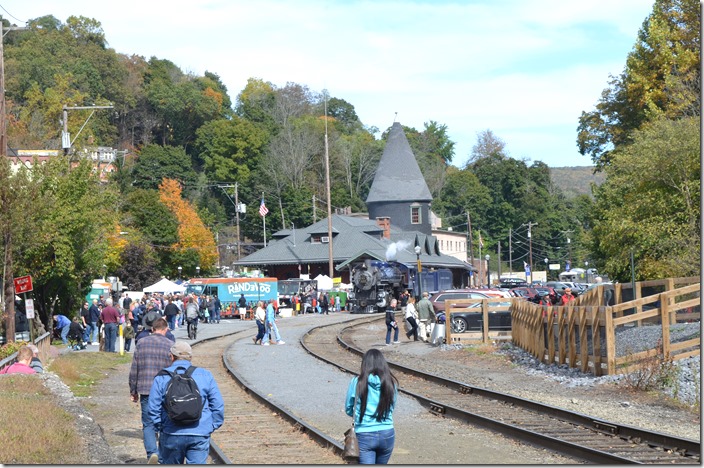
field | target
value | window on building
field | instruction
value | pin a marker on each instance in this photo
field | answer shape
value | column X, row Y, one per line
column 315, row 240
column 415, row 215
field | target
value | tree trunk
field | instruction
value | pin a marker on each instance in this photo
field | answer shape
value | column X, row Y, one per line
column 9, row 291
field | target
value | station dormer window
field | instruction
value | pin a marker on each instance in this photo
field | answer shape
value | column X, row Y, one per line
column 416, row 217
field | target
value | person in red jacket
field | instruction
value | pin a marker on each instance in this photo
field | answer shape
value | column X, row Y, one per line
column 567, row 297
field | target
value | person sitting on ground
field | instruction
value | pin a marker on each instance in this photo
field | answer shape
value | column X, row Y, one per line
column 36, row 363
column 75, row 334
column 24, row 358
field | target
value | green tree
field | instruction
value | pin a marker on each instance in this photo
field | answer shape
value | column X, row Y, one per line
column 661, row 78
column 230, row 149
column 157, row 162
column 650, row 203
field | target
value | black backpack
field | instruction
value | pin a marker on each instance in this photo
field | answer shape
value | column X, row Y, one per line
column 183, row 401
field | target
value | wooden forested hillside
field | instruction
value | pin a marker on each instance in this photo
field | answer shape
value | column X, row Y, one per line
column 575, row 181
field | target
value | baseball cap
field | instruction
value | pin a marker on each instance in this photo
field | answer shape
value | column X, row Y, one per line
column 181, row 349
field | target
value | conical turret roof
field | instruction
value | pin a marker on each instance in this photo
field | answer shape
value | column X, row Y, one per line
column 398, row 177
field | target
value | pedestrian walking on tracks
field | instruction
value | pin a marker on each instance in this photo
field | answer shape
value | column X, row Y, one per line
column 371, row 398
column 260, row 318
column 412, row 318
column 271, row 327
column 391, row 324
column 181, row 442
column 426, row 315
column 151, row 354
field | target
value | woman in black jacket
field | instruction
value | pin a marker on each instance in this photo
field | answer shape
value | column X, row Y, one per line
column 391, row 323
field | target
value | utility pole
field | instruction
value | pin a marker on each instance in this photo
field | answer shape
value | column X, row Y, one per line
column 237, row 221
column 8, row 270
column 314, row 217
column 530, row 247
column 470, row 242
column 569, row 249
column 327, row 191
column 66, row 137
column 499, row 259
column 510, row 253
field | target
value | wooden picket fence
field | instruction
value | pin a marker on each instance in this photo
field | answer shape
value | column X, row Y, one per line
column 485, row 335
column 583, row 334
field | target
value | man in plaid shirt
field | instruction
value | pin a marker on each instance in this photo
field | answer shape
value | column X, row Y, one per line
column 152, row 353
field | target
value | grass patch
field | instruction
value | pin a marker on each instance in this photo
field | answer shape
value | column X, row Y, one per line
column 33, row 428
column 83, row 371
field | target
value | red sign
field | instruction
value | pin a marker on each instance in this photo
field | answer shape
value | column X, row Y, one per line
column 23, row 284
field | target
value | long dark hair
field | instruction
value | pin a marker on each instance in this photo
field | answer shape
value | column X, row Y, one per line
column 374, row 363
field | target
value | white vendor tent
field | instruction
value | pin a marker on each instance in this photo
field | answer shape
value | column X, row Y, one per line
column 324, row 282
column 164, row 286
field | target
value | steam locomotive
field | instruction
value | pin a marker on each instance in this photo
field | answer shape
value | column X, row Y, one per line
column 375, row 283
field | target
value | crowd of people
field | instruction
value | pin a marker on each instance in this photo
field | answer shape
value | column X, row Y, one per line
column 106, row 317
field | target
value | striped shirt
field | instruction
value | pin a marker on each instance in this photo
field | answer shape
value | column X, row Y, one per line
column 152, row 353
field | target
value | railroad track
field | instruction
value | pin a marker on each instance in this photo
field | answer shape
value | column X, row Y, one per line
column 571, row 434
column 255, row 431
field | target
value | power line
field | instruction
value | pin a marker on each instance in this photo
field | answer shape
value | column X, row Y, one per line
column 13, row 16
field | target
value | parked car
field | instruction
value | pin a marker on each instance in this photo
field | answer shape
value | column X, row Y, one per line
column 560, row 286
column 508, row 283
column 439, row 298
column 473, row 319
column 524, row 292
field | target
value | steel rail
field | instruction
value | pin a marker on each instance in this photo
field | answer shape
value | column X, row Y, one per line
column 312, row 432
column 683, row 447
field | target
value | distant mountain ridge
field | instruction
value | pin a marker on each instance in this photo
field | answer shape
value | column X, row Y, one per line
column 576, row 180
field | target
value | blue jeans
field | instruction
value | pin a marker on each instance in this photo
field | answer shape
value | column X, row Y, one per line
column 147, row 426
column 216, row 315
column 261, row 330
column 110, row 337
column 93, row 333
column 175, row 449
column 271, row 328
column 388, row 333
column 171, row 319
column 375, row 447
column 64, row 334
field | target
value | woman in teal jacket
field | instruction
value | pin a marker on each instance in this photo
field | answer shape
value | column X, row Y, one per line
column 370, row 401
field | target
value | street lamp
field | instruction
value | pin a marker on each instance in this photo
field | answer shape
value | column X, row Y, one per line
column 488, row 277
column 586, row 270
column 197, row 272
column 546, row 268
column 419, row 268
column 179, row 272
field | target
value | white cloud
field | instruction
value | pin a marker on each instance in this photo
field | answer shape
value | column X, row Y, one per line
column 525, row 69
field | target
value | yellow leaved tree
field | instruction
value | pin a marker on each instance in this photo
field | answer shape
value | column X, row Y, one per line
column 192, row 233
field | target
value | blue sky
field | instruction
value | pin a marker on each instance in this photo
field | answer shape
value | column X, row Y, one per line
column 523, row 69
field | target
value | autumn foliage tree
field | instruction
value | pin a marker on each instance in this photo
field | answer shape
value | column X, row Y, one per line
column 192, row 233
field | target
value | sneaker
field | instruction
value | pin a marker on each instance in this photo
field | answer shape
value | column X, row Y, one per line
column 254, row 339
column 265, row 344
column 153, row 459
column 388, row 344
column 281, row 342
column 397, row 342
column 95, row 343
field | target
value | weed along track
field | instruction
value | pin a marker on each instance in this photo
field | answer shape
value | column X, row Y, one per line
column 255, row 431
column 568, row 433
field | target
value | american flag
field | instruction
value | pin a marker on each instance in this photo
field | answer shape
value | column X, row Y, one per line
column 262, row 209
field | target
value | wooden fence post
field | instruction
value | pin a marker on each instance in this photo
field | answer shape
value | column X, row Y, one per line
column 665, row 321
column 610, row 343
column 596, row 340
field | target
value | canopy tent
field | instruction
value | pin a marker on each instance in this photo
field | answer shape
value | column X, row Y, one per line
column 324, row 282
column 164, row 286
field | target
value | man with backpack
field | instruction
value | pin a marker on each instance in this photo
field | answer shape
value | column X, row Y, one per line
column 151, row 354
column 186, row 406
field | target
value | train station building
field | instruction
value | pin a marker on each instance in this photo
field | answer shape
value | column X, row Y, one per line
column 397, row 228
